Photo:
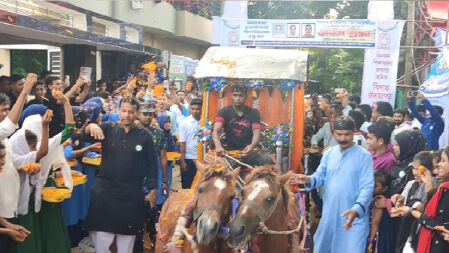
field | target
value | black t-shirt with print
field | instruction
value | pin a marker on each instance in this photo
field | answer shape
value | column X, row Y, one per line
column 239, row 129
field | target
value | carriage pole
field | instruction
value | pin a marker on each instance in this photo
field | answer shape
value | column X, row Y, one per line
column 292, row 114
column 205, row 121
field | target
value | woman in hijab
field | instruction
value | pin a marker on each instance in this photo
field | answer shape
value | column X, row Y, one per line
column 75, row 208
column 170, row 139
column 24, row 145
column 46, row 219
column 94, row 107
column 164, row 124
column 435, row 215
column 32, row 110
column 406, row 145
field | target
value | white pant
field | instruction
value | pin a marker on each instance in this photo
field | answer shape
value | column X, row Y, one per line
column 103, row 240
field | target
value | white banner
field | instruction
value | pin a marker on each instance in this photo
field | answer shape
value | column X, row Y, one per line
column 253, row 63
column 381, row 64
column 347, row 33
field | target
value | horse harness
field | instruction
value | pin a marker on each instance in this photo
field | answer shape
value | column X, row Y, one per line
column 197, row 214
column 259, row 210
column 264, row 215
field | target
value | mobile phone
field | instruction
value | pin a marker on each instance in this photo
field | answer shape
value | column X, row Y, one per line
column 413, row 93
column 86, row 72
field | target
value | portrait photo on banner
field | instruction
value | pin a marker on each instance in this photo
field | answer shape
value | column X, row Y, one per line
column 293, row 30
column 278, row 30
column 308, row 30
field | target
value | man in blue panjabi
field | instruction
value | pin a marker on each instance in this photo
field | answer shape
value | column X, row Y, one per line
column 346, row 172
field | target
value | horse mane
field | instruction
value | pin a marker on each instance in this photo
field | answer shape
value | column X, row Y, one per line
column 271, row 173
column 215, row 170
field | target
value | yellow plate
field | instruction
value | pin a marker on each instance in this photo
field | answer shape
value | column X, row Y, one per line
column 72, row 163
column 55, row 195
column 92, row 161
column 67, row 192
column 173, row 156
column 77, row 177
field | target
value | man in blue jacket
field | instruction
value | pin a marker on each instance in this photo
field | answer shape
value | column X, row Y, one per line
column 433, row 125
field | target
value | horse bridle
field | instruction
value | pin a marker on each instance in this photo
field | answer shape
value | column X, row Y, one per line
column 197, row 214
column 259, row 210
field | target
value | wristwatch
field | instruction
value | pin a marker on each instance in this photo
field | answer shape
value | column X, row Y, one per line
column 410, row 210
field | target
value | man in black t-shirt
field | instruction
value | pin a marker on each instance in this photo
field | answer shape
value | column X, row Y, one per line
column 241, row 125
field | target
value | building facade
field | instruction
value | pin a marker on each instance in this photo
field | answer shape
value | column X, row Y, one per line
column 102, row 34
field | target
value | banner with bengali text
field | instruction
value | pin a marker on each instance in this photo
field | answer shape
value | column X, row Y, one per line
column 348, row 33
column 381, row 64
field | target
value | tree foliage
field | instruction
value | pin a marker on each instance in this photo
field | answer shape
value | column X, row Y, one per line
column 329, row 67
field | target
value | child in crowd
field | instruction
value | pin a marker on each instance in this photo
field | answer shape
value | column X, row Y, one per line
column 381, row 224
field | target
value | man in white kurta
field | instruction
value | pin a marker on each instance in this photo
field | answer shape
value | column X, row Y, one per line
column 346, row 172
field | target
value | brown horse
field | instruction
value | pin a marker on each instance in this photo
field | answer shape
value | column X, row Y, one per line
column 267, row 205
column 211, row 202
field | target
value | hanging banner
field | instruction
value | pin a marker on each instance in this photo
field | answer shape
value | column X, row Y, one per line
column 381, row 64
column 176, row 67
column 190, row 67
column 347, row 33
column 436, row 89
column 437, row 81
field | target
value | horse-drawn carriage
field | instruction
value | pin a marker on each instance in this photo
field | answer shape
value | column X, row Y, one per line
column 266, row 206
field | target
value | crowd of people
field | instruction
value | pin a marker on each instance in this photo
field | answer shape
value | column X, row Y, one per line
column 132, row 125
column 377, row 176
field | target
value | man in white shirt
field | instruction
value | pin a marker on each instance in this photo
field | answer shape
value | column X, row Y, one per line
column 188, row 129
column 399, row 121
column 165, row 109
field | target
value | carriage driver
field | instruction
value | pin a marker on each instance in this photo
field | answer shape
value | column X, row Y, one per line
column 242, row 127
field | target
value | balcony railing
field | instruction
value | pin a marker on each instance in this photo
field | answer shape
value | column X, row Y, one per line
column 28, row 8
column 203, row 8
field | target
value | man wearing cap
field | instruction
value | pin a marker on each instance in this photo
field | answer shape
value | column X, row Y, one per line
column 241, row 125
column 147, row 111
column 188, row 129
column 346, row 172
